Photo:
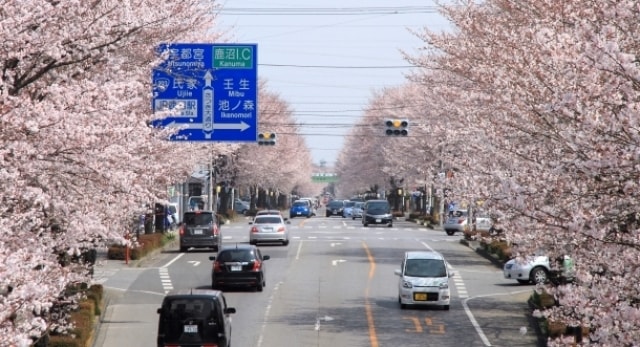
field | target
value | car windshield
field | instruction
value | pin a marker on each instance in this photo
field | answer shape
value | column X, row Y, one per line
column 349, row 204
column 193, row 219
column 378, row 206
column 268, row 220
column 425, row 268
column 458, row 213
column 300, row 203
column 236, row 255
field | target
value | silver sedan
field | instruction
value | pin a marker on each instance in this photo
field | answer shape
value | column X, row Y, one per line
column 269, row 228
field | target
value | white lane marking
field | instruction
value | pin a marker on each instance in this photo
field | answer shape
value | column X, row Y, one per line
column 194, row 262
column 173, row 260
column 299, row 250
column 266, row 314
column 165, row 279
column 337, row 261
column 462, row 293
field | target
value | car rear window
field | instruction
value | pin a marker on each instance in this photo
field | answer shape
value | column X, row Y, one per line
column 336, row 203
column 194, row 219
column 236, row 255
column 197, row 311
column 300, row 203
column 268, row 220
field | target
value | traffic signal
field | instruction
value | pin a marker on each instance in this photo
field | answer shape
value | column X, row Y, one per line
column 397, row 127
column 266, row 139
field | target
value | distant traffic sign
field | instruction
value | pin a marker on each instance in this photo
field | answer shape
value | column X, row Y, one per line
column 208, row 91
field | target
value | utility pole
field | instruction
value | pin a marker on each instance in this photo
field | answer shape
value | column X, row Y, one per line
column 211, row 176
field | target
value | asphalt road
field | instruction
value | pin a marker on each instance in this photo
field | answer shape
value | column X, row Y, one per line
column 332, row 286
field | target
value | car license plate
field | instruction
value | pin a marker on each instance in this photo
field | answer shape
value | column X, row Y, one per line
column 197, row 232
column 420, row 296
column 299, row 213
column 191, row 329
column 378, row 220
column 236, row 267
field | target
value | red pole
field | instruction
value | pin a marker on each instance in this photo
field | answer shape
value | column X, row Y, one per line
column 126, row 250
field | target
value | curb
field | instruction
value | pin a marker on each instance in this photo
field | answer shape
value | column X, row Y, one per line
column 475, row 245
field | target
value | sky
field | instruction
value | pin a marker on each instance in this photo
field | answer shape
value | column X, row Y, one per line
column 327, row 58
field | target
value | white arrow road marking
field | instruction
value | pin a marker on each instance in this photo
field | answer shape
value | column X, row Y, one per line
column 325, row 318
column 335, row 262
column 193, row 262
column 333, row 244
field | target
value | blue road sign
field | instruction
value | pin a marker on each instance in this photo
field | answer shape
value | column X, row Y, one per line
column 208, row 91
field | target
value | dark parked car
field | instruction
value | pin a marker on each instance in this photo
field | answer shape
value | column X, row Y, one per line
column 377, row 212
column 194, row 317
column 199, row 229
column 240, row 265
column 335, row 208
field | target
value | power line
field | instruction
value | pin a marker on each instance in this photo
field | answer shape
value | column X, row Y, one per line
column 342, row 67
column 324, row 11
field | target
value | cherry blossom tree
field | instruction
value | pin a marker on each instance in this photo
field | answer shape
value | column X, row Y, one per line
column 77, row 154
column 551, row 89
column 279, row 168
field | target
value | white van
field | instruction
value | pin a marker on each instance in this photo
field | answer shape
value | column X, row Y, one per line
column 424, row 280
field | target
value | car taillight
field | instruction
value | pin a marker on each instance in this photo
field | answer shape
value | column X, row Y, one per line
column 254, row 230
column 182, row 230
column 280, row 229
column 216, row 266
column 256, row 265
column 215, row 230
column 461, row 220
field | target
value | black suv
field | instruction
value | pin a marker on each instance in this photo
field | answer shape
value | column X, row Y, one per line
column 241, row 265
column 335, row 208
column 199, row 229
column 194, row 317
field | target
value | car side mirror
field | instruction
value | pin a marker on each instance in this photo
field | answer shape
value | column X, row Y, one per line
column 159, row 310
column 229, row 310
column 266, row 257
column 250, row 222
column 213, row 257
column 398, row 272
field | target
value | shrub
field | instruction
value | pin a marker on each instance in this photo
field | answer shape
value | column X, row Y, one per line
column 82, row 319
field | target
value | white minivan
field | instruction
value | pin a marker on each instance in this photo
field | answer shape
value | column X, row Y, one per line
column 424, row 280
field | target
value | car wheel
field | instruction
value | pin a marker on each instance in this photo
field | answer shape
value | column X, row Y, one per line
column 260, row 285
column 253, row 242
column 308, row 216
column 365, row 224
column 539, row 275
column 327, row 215
column 353, row 218
column 183, row 249
column 445, row 307
column 291, row 216
column 285, row 243
column 390, row 225
column 449, row 232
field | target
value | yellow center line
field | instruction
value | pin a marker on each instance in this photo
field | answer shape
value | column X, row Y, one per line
column 373, row 337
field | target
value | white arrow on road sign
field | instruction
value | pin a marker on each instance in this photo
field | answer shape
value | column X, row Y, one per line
column 193, row 262
column 242, row 126
column 335, row 262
